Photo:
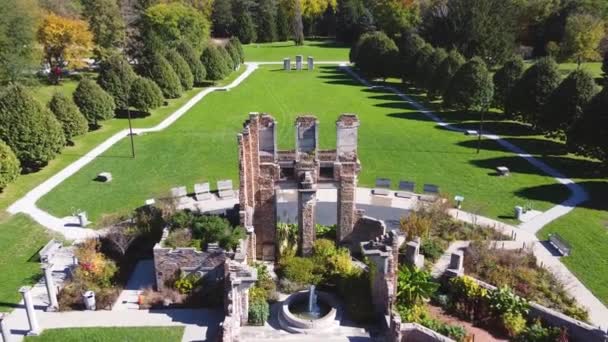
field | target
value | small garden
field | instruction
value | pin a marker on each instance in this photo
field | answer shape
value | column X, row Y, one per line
column 189, row 229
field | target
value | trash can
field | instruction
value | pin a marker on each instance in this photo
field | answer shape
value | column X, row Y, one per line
column 89, row 300
column 519, row 210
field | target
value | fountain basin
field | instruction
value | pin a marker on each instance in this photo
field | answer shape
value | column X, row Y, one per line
column 297, row 321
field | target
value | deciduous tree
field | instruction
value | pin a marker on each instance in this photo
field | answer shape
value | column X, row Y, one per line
column 106, row 24
column 471, row 87
column 420, row 61
column 505, row 79
column 396, row 16
column 582, row 38
column 18, row 24
column 444, row 73
column 589, row 135
column 431, row 67
column 175, row 22
column 375, row 54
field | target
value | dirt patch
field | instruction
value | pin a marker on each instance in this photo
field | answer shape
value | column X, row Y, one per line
column 479, row 334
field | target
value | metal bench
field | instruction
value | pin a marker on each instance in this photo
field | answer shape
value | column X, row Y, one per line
column 202, row 192
column 430, row 193
column 383, row 186
column 503, row 171
column 406, row 189
column 560, row 244
column 225, row 189
column 47, row 252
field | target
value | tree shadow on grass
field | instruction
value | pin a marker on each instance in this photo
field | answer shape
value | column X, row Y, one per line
column 596, row 189
column 135, row 114
column 530, row 145
column 571, row 167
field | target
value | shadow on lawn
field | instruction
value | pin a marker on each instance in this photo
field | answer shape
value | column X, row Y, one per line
column 597, row 191
column 530, row 145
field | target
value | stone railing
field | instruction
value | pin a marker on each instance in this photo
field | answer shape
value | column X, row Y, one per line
column 410, row 332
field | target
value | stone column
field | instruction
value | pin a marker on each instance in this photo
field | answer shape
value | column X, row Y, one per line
column 29, row 309
column 287, row 64
column 456, row 262
column 311, row 63
column 5, row 332
column 50, row 287
column 299, row 62
column 307, row 200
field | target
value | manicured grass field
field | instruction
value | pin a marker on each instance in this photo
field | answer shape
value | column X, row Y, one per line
column 395, row 142
column 147, row 334
column 321, row 50
column 20, row 241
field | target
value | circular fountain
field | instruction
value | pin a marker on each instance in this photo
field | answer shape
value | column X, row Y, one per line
column 307, row 310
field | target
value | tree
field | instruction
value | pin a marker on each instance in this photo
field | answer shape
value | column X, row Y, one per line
column 440, row 80
column 66, row 42
column 471, row 87
column 181, row 68
column 63, row 8
column 228, row 62
column 29, row 129
column 431, row 67
column 66, row 112
column 375, row 54
column 160, row 71
column 566, row 103
column 282, row 17
column 414, row 285
column 106, row 24
column 198, row 69
column 531, row 92
column 145, row 95
column 245, row 28
column 115, row 77
column 505, row 79
column 9, row 165
column 605, row 65
column 297, row 25
column 419, row 62
column 485, row 28
column 236, row 43
column 17, row 38
column 235, row 56
column 175, row 22
column 214, row 63
column 222, row 18
column 94, row 103
column 582, row 38
column 409, row 46
column 396, row 16
column 589, row 135
column 266, row 22
column 121, row 237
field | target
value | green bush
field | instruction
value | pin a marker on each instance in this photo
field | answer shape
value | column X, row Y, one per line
column 228, row 62
column 145, row 95
column 94, row 103
column 514, row 323
column 355, row 291
column 431, row 67
column 432, row 249
column 444, row 73
column 67, row 113
column 537, row 333
column 326, row 232
column 455, row 332
column 211, row 228
column 160, row 71
column 409, row 46
column 505, row 79
column 181, row 68
column 471, row 88
column 9, row 165
column 194, row 62
column 245, row 29
column 30, row 130
column 185, row 284
column 502, row 300
column 419, row 61
column 259, row 311
column 115, row 77
column 300, row 270
column 214, row 63
column 375, row 54
column 235, row 57
column 235, row 42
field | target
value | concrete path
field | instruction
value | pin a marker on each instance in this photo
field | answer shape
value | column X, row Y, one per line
column 142, row 277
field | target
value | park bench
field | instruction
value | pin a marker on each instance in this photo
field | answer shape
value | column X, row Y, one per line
column 430, row 193
column 471, row 132
column 503, row 171
column 47, row 252
column 406, row 189
column 560, row 244
column 383, row 186
column 225, row 189
column 202, row 192
column 180, row 194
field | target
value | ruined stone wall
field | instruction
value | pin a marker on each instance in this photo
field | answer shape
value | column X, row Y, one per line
column 346, row 169
column 364, row 229
column 411, row 332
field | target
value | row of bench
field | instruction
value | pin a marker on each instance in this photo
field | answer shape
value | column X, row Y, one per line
column 406, row 189
column 202, row 191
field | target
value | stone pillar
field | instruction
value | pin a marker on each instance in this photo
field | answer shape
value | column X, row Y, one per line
column 346, row 169
column 346, row 207
column 311, row 63
column 299, row 62
column 287, row 64
column 29, row 309
column 412, row 254
column 456, row 262
column 5, row 332
column 307, row 200
column 50, row 287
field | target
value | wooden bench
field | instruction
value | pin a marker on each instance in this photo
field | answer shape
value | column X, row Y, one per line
column 560, row 244
column 383, row 186
column 47, row 252
column 406, row 189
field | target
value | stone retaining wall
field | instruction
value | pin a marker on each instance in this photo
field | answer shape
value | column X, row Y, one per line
column 411, row 332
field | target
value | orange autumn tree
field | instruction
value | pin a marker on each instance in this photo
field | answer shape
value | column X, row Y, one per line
column 65, row 41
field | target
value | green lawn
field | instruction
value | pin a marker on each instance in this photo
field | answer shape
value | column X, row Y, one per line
column 44, row 92
column 20, row 241
column 395, row 142
column 275, row 52
column 143, row 334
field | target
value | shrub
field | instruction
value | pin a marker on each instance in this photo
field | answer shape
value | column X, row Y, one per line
column 375, row 55
column 432, row 249
column 502, row 300
column 471, row 88
column 181, row 68
column 537, row 333
column 9, row 165
column 355, row 290
column 228, row 62
column 161, row 72
column 300, row 271
column 409, row 47
column 211, row 228
column 414, row 285
column 418, row 62
column 94, row 269
column 214, row 63
column 431, row 67
column 236, row 43
column 514, row 323
column 29, row 129
column 145, row 95
column 455, row 332
column 265, row 283
column 115, row 77
column 66, row 112
column 505, row 79
column 235, row 56
column 185, row 284
column 180, row 238
column 259, row 311
column 199, row 73
column 287, row 238
column 94, row 103
column 440, row 80
column 415, row 225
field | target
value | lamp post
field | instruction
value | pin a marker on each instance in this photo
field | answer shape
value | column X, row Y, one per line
column 481, row 128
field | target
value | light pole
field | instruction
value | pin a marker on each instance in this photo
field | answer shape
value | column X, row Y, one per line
column 127, row 84
column 483, row 110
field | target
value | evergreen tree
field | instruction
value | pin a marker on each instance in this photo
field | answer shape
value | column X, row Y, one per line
column 160, row 71
column 245, row 28
column 222, row 18
column 471, row 87
column 375, row 54
column 431, row 67
column 29, row 129
column 409, row 47
column 566, row 104
column 67, row 113
column 266, row 22
column 531, row 92
column 283, row 29
column 115, row 77
column 198, row 69
column 228, row 62
column 106, row 24
column 419, row 61
column 589, row 135
column 440, row 80
column 505, row 79
column 348, row 16
column 235, row 42
column 235, row 56
column 94, row 103
column 214, row 63
column 181, row 68
column 145, row 95
column 9, row 165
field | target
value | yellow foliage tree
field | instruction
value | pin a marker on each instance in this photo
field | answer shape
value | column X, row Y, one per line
column 584, row 33
column 66, row 41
